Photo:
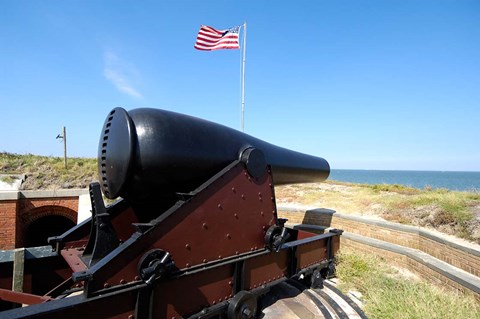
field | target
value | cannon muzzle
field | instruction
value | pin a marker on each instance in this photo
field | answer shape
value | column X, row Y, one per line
column 145, row 152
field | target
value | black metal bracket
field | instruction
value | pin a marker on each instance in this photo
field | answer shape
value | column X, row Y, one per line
column 103, row 238
column 238, row 276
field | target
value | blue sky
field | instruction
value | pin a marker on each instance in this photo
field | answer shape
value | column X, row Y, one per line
column 364, row 84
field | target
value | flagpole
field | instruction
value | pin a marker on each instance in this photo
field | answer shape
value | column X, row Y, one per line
column 243, row 73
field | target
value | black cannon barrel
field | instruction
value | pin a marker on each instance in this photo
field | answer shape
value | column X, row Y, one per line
column 150, row 151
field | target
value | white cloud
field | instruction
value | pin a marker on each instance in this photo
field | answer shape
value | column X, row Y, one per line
column 121, row 74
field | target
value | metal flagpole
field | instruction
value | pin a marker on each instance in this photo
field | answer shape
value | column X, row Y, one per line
column 243, row 73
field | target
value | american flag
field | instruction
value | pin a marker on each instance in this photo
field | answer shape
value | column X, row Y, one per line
column 209, row 39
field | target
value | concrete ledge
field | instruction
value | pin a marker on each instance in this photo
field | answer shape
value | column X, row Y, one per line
column 14, row 195
column 307, row 227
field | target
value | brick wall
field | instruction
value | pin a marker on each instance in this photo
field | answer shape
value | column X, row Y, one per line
column 8, row 223
column 464, row 257
column 408, row 263
column 19, row 209
column 32, row 209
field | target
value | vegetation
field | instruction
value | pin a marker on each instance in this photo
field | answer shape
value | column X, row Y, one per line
column 391, row 293
column 44, row 172
column 452, row 212
column 7, row 179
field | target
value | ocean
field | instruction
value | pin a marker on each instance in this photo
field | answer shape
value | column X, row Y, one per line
column 462, row 181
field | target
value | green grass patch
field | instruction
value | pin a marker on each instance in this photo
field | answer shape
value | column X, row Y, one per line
column 46, row 172
column 396, row 188
column 389, row 294
column 7, row 179
column 450, row 206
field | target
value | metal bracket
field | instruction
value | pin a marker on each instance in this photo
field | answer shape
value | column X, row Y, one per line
column 103, row 238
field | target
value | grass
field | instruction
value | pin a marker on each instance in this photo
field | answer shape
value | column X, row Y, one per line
column 7, row 179
column 388, row 293
column 434, row 207
column 453, row 212
column 46, row 172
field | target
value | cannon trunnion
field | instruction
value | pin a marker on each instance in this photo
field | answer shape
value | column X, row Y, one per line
column 213, row 251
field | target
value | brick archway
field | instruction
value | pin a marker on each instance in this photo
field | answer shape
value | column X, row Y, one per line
column 48, row 210
column 20, row 209
column 42, row 222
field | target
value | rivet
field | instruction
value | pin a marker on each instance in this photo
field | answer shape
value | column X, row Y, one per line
column 219, row 299
column 236, row 252
column 136, row 278
column 251, row 249
column 219, row 256
column 235, row 215
column 264, row 227
column 262, row 213
column 106, row 285
column 187, row 265
column 204, row 225
column 234, row 190
column 219, row 206
column 122, row 281
column 187, row 246
column 243, row 196
column 130, row 317
column 214, row 302
column 204, row 261
column 230, row 283
column 228, row 236
column 255, row 248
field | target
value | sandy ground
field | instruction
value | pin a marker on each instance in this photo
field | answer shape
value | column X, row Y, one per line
column 362, row 201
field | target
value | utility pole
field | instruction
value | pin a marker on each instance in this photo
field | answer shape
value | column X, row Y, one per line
column 63, row 137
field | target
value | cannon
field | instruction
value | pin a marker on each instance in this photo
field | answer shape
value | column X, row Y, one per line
column 156, row 152
column 193, row 231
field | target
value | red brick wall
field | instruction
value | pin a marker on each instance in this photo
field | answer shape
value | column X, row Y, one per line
column 16, row 215
column 8, row 222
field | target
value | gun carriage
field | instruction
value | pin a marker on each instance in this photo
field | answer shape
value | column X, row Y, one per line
column 194, row 233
